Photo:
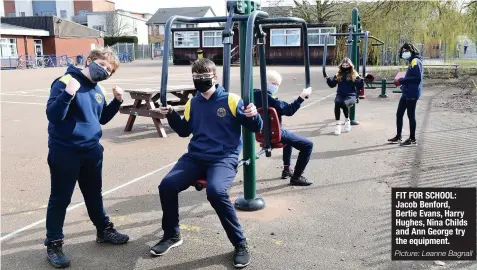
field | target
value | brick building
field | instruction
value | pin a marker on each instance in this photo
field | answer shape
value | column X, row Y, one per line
column 46, row 35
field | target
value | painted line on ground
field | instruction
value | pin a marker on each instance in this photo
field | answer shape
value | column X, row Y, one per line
column 308, row 105
column 26, row 103
column 116, row 188
column 21, row 95
column 82, row 203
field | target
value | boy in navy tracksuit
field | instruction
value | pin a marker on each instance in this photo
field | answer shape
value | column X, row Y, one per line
column 289, row 139
column 76, row 109
column 411, row 86
column 214, row 118
column 349, row 82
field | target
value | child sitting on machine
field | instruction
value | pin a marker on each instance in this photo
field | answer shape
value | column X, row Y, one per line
column 349, row 82
column 214, row 118
column 289, row 139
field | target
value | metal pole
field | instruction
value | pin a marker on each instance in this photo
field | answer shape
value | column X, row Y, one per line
column 354, row 58
column 227, row 39
column 263, row 83
column 249, row 201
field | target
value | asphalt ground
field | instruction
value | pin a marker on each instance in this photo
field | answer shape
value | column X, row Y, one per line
column 342, row 221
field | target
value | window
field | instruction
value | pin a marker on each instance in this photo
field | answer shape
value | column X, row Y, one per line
column 212, row 39
column 12, row 15
column 63, row 14
column 82, row 12
column 98, row 27
column 8, row 47
column 186, row 39
column 22, row 14
column 316, row 36
column 285, row 37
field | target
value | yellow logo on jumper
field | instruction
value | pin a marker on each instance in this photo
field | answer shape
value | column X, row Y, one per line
column 98, row 97
column 221, row 112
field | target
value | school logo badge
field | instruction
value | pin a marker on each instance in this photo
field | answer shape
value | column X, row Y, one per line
column 221, row 112
column 98, row 97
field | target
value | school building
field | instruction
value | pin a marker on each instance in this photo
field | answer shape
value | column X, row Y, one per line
column 284, row 44
column 28, row 37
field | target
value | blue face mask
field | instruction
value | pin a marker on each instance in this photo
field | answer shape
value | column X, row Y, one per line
column 97, row 72
column 272, row 88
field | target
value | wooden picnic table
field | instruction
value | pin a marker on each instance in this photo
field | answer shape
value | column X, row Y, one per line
column 150, row 106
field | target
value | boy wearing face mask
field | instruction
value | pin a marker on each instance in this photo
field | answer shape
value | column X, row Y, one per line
column 411, row 86
column 349, row 83
column 76, row 109
column 289, row 139
column 214, row 118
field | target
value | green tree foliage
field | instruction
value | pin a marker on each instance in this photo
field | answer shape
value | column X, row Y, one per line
column 432, row 25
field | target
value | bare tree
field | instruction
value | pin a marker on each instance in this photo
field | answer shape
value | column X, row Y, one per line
column 276, row 9
column 318, row 11
column 116, row 25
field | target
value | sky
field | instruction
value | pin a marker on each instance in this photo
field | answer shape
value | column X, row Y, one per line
column 150, row 6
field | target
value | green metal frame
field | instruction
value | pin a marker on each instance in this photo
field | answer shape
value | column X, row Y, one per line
column 250, row 17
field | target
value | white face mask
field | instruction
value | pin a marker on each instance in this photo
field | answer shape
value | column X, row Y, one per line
column 272, row 88
column 406, row 55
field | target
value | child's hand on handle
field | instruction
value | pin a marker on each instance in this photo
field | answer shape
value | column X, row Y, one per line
column 72, row 86
column 251, row 110
column 118, row 93
column 165, row 110
column 305, row 93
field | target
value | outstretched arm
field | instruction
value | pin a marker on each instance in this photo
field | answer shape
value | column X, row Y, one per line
column 284, row 108
column 178, row 124
column 332, row 82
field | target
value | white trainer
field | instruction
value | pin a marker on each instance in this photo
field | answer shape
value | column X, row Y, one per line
column 337, row 129
column 347, row 126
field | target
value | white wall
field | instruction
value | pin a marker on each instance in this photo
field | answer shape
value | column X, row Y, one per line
column 2, row 9
column 67, row 5
column 96, row 19
column 128, row 22
column 24, row 6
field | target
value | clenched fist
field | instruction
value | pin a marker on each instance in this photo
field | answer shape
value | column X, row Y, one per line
column 305, row 93
column 250, row 111
column 72, row 86
column 118, row 93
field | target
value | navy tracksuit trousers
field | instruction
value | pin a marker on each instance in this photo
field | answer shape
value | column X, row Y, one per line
column 66, row 167
column 219, row 175
column 302, row 144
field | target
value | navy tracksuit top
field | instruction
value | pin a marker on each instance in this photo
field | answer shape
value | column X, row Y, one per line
column 282, row 107
column 75, row 121
column 215, row 125
column 412, row 81
column 346, row 88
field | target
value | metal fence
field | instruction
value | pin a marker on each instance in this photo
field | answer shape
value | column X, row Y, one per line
column 128, row 52
column 42, row 61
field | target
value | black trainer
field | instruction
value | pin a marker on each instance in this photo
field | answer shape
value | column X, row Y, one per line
column 110, row 235
column 241, row 256
column 409, row 142
column 55, row 254
column 287, row 173
column 396, row 139
column 300, row 181
column 165, row 245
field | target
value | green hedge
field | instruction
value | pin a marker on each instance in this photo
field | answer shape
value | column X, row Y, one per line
column 109, row 41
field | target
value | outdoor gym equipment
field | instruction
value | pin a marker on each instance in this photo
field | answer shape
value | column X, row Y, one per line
column 354, row 35
column 248, row 11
